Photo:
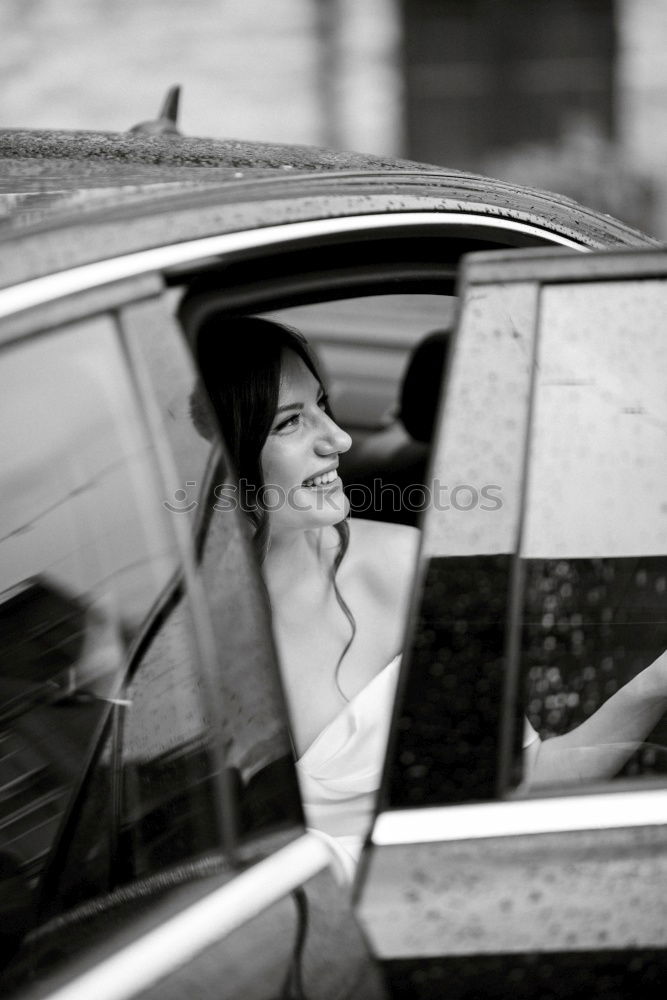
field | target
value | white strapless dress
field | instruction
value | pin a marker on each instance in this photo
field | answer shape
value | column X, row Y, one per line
column 339, row 774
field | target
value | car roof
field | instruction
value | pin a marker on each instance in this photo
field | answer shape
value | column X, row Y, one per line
column 183, row 151
column 68, row 198
column 53, row 164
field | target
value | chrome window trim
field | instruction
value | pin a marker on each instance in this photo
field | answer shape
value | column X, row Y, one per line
column 521, row 817
column 180, row 938
column 38, row 291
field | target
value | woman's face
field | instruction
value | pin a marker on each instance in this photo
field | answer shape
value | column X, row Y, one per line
column 300, row 457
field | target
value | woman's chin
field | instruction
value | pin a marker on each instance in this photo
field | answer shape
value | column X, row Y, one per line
column 334, row 513
column 340, row 514
column 344, row 508
column 325, row 504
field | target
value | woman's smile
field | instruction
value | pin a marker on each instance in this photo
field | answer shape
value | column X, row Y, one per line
column 322, row 479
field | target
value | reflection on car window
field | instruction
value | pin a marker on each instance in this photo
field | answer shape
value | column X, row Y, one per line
column 83, row 555
column 169, row 759
column 162, row 362
column 252, row 720
column 590, row 625
column 151, row 801
column 595, row 533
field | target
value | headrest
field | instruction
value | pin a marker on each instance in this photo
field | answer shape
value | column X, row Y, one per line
column 421, row 385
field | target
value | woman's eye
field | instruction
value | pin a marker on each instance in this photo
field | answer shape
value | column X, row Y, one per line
column 287, row 424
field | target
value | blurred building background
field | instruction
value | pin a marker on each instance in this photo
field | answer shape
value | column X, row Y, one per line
column 570, row 95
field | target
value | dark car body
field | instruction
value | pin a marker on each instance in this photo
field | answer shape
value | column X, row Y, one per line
column 153, row 834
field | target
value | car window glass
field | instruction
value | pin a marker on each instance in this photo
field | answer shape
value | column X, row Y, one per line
column 184, row 737
column 594, row 534
column 168, row 748
column 84, row 554
column 154, row 797
column 446, row 741
column 163, row 364
column 245, row 687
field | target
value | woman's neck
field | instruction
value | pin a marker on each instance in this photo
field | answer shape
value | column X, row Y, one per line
column 297, row 558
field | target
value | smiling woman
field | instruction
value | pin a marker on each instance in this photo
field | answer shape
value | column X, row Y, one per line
column 338, row 589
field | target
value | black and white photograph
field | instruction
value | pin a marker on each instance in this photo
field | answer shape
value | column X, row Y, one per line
column 333, row 519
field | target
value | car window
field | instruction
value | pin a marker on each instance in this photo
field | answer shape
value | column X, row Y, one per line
column 445, row 743
column 252, row 725
column 154, row 798
column 594, row 532
column 142, row 718
column 162, row 363
column 84, row 553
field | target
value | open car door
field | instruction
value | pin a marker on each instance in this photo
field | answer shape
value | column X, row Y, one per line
column 543, row 591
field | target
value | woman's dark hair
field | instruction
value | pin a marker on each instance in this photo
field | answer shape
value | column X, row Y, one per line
column 239, row 360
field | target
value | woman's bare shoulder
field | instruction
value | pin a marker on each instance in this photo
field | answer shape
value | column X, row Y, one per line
column 387, row 551
column 372, row 533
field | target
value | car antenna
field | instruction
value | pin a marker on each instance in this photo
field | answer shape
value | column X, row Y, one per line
column 165, row 123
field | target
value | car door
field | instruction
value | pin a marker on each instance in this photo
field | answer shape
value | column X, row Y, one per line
column 544, row 569
column 152, row 833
